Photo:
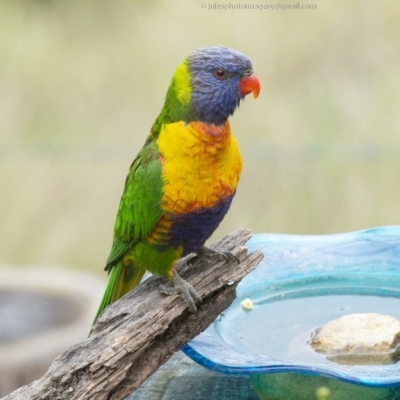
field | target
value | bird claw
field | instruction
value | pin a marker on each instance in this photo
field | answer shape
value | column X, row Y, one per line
column 183, row 287
column 207, row 253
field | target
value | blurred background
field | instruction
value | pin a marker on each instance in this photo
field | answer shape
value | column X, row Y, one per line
column 81, row 83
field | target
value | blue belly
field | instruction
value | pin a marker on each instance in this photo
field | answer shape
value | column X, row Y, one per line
column 193, row 229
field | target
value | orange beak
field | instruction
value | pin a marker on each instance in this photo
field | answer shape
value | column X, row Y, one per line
column 250, row 84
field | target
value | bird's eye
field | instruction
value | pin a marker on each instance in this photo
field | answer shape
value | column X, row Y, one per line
column 219, row 73
column 247, row 72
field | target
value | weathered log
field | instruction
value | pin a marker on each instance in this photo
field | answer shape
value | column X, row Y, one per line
column 137, row 334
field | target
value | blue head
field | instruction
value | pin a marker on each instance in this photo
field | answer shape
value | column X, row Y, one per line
column 208, row 86
column 219, row 78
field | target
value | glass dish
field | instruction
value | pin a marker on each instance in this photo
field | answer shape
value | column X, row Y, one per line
column 302, row 283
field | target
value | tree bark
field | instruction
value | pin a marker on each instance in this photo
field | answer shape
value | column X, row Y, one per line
column 141, row 331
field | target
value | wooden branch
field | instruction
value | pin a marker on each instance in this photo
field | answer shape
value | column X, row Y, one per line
column 140, row 332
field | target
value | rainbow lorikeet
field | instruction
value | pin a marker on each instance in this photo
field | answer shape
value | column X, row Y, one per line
column 181, row 184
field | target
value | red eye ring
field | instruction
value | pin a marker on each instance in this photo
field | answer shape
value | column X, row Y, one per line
column 219, row 73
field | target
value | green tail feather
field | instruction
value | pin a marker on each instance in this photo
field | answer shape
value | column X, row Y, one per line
column 122, row 280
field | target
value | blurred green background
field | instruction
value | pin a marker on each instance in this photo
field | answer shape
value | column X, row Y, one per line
column 81, row 83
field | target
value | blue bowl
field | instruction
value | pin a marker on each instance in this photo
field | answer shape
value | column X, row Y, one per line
column 302, row 283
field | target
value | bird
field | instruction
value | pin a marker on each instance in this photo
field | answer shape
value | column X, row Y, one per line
column 182, row 182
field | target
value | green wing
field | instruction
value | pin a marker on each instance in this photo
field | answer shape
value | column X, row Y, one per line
column 140, row 206
column 138, row 213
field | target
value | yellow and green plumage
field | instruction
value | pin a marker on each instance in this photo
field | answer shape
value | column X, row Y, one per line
column 182, row 182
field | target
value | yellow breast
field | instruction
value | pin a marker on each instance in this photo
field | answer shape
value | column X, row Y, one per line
column 201, row 165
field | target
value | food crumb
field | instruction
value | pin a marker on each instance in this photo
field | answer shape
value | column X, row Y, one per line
column 247, row 304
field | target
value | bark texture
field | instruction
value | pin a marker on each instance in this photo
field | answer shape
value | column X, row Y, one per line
column 141, row 331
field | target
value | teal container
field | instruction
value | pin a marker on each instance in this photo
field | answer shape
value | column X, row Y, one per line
column 302, row 283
